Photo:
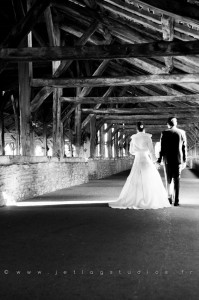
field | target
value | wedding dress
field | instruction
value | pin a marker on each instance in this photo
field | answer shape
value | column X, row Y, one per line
column 143, row 188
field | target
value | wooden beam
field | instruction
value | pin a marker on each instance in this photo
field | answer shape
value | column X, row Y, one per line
column 78, row 117
column 15, row 106
column 82, row 41
column 57, row 144
column 24, row 104
column 88, row 119
column 168, row 33
column 161, row 126
column 50, row 27
column 85, row 91
column 154, row 67
column 44, row 133
column 91, row 3
column 54, row 32
column 92, row 137
column 102, row 142
column 149, row 122
column 25, row 25
column 138, row 99
column 160, row 48
column 116, row 81
column 151, row 8
column 149, row 117
column 3, row 100
column 40, row 97
column 172, row 8
column 133, row 111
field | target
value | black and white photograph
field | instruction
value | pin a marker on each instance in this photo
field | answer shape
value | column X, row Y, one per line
column 99, row 149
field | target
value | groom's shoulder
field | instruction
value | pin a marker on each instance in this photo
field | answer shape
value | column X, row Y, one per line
column 166, row 131
column 180, row 131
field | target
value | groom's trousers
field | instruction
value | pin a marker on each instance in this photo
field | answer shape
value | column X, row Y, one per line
column 173, row 171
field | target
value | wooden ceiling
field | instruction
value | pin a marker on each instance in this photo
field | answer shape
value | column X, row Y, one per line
column 122, row 61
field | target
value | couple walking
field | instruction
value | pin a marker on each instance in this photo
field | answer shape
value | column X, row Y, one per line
column 143, row 188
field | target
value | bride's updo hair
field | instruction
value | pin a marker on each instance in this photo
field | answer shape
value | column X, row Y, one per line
column 140, row 126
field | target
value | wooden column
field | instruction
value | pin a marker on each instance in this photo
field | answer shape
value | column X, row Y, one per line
column 109, row 144
column 45, row 148
column 168, row 32
column 24, row 73
column 54, row 40
column 78, row 128
column 15, row 105
column 121, row 143
column 127, row 145
column 62, row 140
column 57, row 143
column 102, row 142
column 116, row 147
column 92, row 137
column 32, row 141
column 2, row 140
column 78, row 115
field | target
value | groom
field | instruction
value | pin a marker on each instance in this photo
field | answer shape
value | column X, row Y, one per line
column 174, row 153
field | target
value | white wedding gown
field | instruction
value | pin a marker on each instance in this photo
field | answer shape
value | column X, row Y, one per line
column 143, row 188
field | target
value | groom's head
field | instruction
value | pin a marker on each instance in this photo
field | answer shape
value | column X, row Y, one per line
column 172, row 121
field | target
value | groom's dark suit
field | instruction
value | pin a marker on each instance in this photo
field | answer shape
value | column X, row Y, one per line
column 174, row 154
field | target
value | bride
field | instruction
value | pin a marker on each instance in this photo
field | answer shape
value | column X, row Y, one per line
column 143, row 188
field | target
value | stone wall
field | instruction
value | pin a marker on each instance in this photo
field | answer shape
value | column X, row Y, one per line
column 195, row 164
column 100, row 168
column 25, row 177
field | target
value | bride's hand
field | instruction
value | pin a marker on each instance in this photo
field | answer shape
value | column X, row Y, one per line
column 157, row 165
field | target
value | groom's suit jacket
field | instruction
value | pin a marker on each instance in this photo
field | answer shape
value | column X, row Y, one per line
column 173, row 146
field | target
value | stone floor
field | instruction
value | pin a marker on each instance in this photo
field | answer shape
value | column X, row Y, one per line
column 54, row 250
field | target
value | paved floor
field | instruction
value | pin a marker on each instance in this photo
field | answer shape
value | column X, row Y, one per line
column 90, row 251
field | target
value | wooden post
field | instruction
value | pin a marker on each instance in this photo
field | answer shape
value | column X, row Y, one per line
column 2, row 131
column 2, row 141
column 57, row 144
column 32, row 140
column 54, row 39
column 78, row 128
column 127, row 145
column 92, row 137
column 24, row 73
column 45, row 150
column 116, row 142
column 15, row 105
column 102, row 142
column 109, row 144
column 62, row 140
column 121, row 143
column 78, row 117
column 168, row 33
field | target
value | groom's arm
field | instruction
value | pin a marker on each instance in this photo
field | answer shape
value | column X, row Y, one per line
column 161, row 148
column 184, row 147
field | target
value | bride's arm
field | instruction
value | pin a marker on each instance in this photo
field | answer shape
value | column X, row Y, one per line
column 132, row 149
column 151, row 150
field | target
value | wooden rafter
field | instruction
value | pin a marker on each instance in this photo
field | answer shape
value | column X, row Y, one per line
column 142, row 99
column 86, row 90
column 133, row 111
column 162, row 48
column 82, row 41
column 26, row 24
column 116, row 81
